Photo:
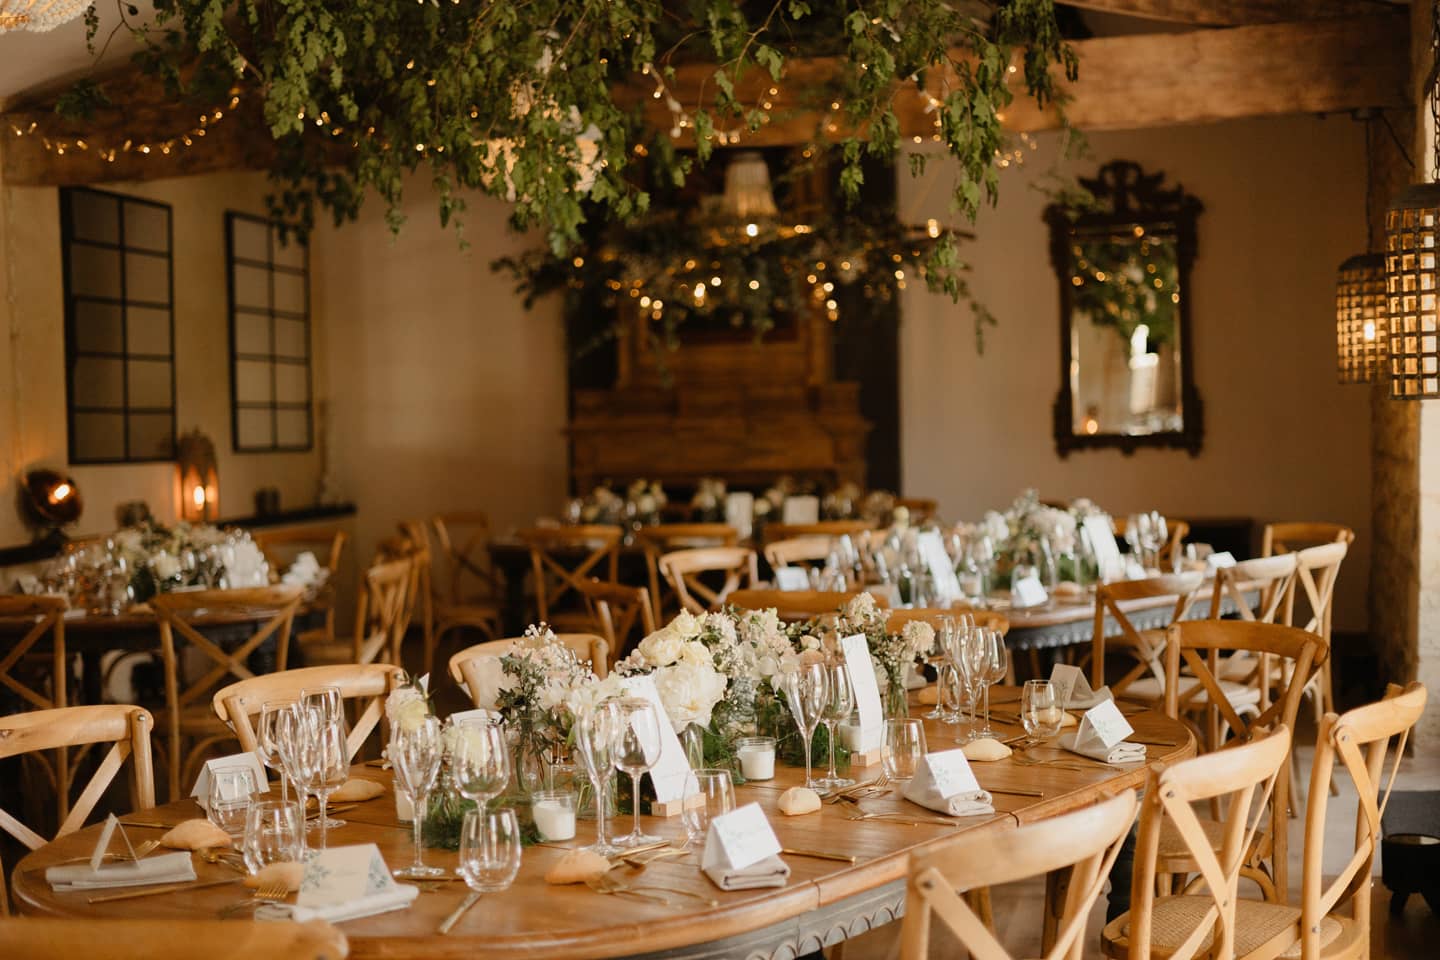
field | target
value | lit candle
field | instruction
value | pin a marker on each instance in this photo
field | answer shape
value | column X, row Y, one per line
column 849, row 736
column 554, row 813
column 757, row 757
column 404, row 807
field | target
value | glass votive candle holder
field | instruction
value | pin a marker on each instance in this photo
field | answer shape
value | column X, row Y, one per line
column 554, row 814
column 847, row 734
column 757, row 757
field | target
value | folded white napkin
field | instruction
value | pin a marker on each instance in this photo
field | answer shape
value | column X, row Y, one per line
column 396, row 898
column 163, row 868
column 770, row 872
column 1087, row 698
column 971, row 804
column 1122, row 752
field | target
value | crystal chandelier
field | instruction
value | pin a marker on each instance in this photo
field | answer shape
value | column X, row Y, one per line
column 39, row 15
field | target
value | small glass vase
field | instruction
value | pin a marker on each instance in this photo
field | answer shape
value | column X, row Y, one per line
column 897, row 699
column 692, row 739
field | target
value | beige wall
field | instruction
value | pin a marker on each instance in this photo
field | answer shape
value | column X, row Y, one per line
column 1283, row 206
column 32, row 359
column 447, row 394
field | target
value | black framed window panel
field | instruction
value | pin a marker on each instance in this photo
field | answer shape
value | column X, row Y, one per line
column 270, row 385
column 119, row 327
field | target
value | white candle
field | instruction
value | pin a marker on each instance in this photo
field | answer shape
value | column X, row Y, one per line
column 757, row 762
column 404, row 808
column 554, row 820
column 849, row 736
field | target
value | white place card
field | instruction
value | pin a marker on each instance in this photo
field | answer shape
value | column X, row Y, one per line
column 740, row 512
column 803, row 509
column 948, row 772
column 1103, row 545
column 942, row 571
column 340, row 875
column 1072, row 688
column 1219, row 560
column 1102, row 723
column 102, row 846
column 792, row 578
column 867, row 692
column 248, row 761
column 739, row 838
column 671, row 772
column 1027, row 592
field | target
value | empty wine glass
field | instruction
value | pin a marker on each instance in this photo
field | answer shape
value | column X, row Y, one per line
column 480, row 764
column 595, row 730
column 709, row 794
column 1039, row 713
column 267, row 740
column 1159, row 536
column 806, row 693
column 415, row 757
column 229, row 799
column 902, row 747
column 490, row 848
column 294, row 732
column 328, row 702
column 996, row 664
column 637, row 748
column 935, row 656
column 839, row 702
column 329, row 764
column 274, row 833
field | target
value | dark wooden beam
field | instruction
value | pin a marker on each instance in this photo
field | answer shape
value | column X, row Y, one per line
column 1229, row 13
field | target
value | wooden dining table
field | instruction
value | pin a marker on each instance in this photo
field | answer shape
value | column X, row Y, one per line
column 824, row 901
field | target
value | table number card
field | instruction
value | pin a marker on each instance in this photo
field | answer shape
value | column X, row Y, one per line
column 1027, row 592
column 102, row 846
column 792, row 578
column 948, row 772
column 804, row 509
column 739, row 839
column 740, row 512
column 1103, row 724
column 671, row 772
column 341, row 875
column 248, row 761
column 867, row 692
column 942, row 571
column 1072, row 688
column 1106, row 550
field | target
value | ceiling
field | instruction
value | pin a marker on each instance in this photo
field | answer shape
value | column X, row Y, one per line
column 30, row 60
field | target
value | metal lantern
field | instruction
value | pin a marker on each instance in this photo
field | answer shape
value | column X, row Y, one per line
column 1411, row 225
column 1361, row 333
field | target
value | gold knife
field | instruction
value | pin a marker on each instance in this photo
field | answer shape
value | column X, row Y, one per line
column 454, row 918
column 172, row 888
column 819, row 854
column 1015, row 793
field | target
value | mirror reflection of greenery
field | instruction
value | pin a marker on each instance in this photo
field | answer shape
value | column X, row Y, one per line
column 1124, row 281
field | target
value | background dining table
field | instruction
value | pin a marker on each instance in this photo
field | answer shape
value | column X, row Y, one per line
column 824, row 901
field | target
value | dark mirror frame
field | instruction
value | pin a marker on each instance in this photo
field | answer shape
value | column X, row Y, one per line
column 1125, row 195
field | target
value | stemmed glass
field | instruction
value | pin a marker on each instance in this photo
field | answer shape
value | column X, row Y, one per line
column 637, row 748
column 294, row 732
column 839, row 702
column 995, row 664
column 974, row 668
column 595, row 730
column 329, row 762
column 267, row 740
column 480, row 767
column 415, row 756
column 1159, row 535
column 806, row 692
column 330, row 706
column 935, row 656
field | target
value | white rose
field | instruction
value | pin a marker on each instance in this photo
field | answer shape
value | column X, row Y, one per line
column 860, row 608
column 663, row 647
column 412, row 715
column 918, row 635
column 689, row 692
column 686, row 625
column 810, row 642
column 164, row 565
column 695, row 652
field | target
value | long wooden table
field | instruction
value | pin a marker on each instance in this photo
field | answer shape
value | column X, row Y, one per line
column 823, row 903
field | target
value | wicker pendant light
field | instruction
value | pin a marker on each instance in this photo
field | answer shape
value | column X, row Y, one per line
column 1361, row 331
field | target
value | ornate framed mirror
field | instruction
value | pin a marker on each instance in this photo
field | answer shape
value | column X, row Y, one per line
column 1123, row 265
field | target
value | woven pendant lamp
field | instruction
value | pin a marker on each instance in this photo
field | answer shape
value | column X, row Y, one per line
column 1361, row 331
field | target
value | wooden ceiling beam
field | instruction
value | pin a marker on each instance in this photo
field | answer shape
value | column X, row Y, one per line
column 1230, row 13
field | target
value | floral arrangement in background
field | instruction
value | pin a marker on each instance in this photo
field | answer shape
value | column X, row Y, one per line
column 641, row 505
column 708, row 503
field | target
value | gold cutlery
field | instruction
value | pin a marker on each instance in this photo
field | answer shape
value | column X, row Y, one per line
column 140, row 853
column 454, row 918
column 226, row 858
column 272, row 892
column 171, row 888
column 896, row 817
column 819, row 854
column 1014, row 793
column 147, row 823
column 1152, row 742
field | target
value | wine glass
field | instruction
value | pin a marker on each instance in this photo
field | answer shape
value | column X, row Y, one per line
column 595, row 742
column 1039, row 713
column 329, row 764
column 267, row 740
column 839, row 702
column 330, row 704
column 293, row 732
column 996, row 665
column 935, row 656
column 709, row 794
column 637, row 748
column 902, row 748
column 974, row 656
column 274, row 833
column 415, row 757
column 480, row 766
column 229, row 800
column 1159, row 535
column 1135, row 526
column 805, row 692
column 489, row 849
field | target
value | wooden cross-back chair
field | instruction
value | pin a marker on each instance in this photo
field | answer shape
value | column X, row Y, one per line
column 463, row 536
column 796, row 605
column 665, row 538
column 1174, row 546
column 1316, row 570
column 1086, row 842
column 618, row 610
column 272, row 608
column 380, row 611
column 125, row 728
column 1144, row 646
column 683, row 569
column 46, row 616
column 821, row 528
column 1201, row 923
column 561, row 558
column 465, row 666
column 282, row 546
column 62, row 938
column 1289, row 536
column 1200, row 647
column 798, row 551
column 237, row 703
column 437, row 614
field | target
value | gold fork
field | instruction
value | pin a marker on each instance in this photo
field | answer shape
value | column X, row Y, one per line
column 855, row 813
column 271, row 891
column 141, row 852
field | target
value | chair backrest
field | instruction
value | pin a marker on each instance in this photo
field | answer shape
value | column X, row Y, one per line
column 1270, row 577
column 380, row 610
column 794, row 605
column 465, row 665
column 48, row 614
column 1359, row 740
column 663, row 538
column 238, row 702
column 462, row 537
column 934, row 616
column 273, row 608
column 682, row 569
column 562, row 557
column 57, row 938
column 127, row 730
column 1145, row 649
column 1237, row 775
column 280, row 546
column 798, row 550
column 1087, row 840
column 1316, row 570
column 1292, row 535
column 822, row 528
column 619, row 609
